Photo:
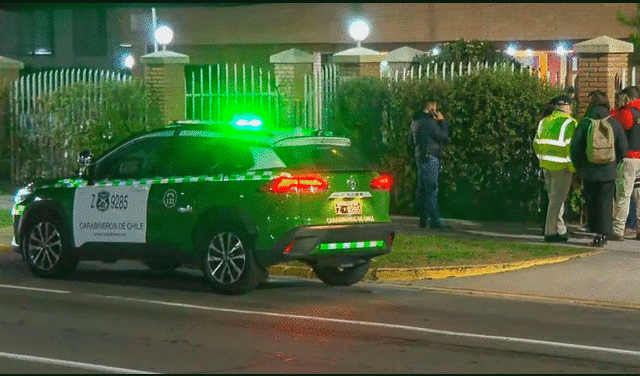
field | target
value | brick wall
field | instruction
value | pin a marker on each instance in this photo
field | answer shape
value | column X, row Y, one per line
column 598, row 72
column 165, row 94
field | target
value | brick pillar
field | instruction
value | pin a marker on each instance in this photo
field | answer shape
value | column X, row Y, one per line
column 290, row 68
column 600, row 62
column 166, row 87
column 400, row 59
column 9, row 72
column 358, row 62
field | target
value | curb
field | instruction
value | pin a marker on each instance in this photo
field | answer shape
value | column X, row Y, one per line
column 436, row 272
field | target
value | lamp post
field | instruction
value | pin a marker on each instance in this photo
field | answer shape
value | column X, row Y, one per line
column 154, row 25
column 164, row 36
column 358, row 31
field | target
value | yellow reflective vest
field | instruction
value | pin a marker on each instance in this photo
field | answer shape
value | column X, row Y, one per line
column 552, row 143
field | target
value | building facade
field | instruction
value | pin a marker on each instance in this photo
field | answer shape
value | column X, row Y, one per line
column 99, row 37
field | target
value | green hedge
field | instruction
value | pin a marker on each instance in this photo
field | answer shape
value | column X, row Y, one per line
column 78, row 117
column 489, row 169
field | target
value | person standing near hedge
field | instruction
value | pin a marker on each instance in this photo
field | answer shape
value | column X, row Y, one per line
column 628, row 115
column 598, row 179
column 552, row 145
column 428, row 133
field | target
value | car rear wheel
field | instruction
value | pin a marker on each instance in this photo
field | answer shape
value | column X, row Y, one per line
column 228, row 263
column 47, row 248
column 337, row 276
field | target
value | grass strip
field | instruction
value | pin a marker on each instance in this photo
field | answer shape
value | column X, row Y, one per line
column 421, row 251
column 415, row 251
column 5, row 219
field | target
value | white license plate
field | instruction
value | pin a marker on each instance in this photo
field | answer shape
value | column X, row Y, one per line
column 348, row 208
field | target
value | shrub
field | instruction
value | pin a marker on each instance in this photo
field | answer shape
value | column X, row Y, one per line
column 75, row 118
column 489, row 168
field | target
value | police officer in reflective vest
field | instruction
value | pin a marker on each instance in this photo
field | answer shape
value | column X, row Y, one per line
column 552, row 145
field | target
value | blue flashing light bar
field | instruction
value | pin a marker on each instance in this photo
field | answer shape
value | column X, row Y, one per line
column 247, row 122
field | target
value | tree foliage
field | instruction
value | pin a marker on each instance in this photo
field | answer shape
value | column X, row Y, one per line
column 465, row 52
column 82, row 116
column 634, row 23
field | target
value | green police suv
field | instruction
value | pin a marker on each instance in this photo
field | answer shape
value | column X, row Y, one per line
column 231, row 201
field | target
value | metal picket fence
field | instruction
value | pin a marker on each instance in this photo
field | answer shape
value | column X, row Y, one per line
column 216, row 92
column 25, row 101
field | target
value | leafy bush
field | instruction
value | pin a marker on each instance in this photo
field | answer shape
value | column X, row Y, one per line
column 78, row 117
column 358, row 111
column 489, row 168
column 5, row 151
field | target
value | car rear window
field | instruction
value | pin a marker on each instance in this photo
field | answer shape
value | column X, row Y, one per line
column 322, row 157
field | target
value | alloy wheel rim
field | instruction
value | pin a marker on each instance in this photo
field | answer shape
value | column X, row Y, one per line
column 226, row 258
column 44, row 246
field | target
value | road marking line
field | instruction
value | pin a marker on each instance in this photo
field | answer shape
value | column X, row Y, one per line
column 34, row 289
column 391, row 326
column 68, row 363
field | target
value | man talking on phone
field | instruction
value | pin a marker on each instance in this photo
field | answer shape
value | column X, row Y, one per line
column 429, row 132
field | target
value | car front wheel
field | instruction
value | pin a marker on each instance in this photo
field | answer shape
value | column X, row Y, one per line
column 47, row 249
column 337, row 276
column 228, row 263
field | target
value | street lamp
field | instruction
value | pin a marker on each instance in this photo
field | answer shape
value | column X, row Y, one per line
column 129, row 61
column 435, row 50
column 164, row 35
column 358, row 31
column 561, row 50
column 511, row 50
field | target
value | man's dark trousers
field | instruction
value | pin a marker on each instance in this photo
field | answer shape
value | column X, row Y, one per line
column 427, row 191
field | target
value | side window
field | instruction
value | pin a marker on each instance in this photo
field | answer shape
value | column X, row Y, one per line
column 197, row 156
column 144, row 158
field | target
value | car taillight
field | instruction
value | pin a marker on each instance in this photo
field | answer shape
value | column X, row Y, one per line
column 308, row 183
column 382, row 182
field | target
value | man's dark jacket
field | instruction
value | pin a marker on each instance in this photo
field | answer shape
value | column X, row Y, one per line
column 427, row 136
column 589, row 171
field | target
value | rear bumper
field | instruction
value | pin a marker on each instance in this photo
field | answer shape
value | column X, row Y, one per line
column 316, row 243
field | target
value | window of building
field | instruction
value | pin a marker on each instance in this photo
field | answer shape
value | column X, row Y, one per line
column 35, row 30
column 89, row 32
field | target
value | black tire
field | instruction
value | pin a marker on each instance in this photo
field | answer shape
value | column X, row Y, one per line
column 46, row 246
column 335, row 276
column 228, row 262
column 162, row 266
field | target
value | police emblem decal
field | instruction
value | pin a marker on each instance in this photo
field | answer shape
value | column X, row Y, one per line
column 170, row 198
column 351, row 183
column 103, row 201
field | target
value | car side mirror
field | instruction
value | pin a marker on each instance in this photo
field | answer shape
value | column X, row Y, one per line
column 85, row 158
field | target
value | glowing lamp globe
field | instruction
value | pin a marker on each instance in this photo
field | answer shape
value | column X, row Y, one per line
column 359, row 30
column 129, row 62
column 164, row 35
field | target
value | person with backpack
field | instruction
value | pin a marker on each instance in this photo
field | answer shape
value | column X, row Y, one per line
column 598, row 146
column 552, row 147
column 628, row 115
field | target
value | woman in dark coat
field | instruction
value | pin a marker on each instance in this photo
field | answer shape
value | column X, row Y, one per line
column 598, row 180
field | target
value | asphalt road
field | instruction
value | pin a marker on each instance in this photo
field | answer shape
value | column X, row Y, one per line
column 125, row 318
